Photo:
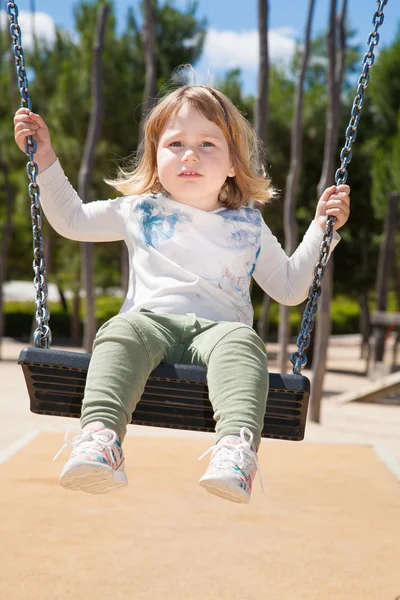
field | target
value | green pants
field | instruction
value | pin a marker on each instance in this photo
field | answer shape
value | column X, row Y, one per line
column 130, row 345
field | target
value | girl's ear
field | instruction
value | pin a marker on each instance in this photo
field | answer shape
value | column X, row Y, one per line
column 231, row 172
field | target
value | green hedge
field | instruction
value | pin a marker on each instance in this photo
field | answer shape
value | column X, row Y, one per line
column 345, row 317
column 18, row 317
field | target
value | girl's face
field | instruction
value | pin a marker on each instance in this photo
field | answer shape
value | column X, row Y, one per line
column 193, row 159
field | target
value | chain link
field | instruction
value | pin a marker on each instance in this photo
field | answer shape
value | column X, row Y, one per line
column 299, row 359
column 42, row 335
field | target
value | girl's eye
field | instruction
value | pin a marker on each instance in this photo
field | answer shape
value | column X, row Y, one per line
column 179, row 144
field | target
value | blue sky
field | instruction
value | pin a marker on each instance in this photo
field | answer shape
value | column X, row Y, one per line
column 232, row 38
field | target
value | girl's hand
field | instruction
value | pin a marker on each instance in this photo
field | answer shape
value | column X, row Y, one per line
column 334, row 201
column 28, row 123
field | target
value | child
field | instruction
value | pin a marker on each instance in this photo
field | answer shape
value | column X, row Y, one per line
column 193, row 248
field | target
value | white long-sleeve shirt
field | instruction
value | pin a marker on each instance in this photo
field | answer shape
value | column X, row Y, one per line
column 183, row 259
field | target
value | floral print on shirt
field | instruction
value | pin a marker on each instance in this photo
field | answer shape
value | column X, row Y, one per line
column 156, row 226
column 241, row 234
column 244, row 237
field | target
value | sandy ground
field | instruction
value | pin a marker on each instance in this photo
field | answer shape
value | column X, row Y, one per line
column 327, row 527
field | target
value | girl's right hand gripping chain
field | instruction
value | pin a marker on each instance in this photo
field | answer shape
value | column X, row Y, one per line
column 27, row 123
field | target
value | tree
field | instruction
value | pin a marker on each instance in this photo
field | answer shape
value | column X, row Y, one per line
column 261, row 109
column 96, row 118
column 6, row 223
column 384, row 95
column 292, row 184
column 261, row 117
column 336, row 62
column 6, row 228
column 385, row 144
column 149, row 99
column 149, row 43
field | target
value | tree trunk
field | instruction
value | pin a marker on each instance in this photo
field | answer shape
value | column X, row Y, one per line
column 75, row 320
column 95, row 123
column 124, row 268
column 261, row 116
column 149, row 43
column 336, row 61
column 365, row 325
column 13, row 78
column 5, row 242
column 261, row 123
column 386, row 256
column 365, row 320
column 396, row 281
column 149, row 99
column 292, row 184
column 8, row 190
column 63, row 300
column 262, row 323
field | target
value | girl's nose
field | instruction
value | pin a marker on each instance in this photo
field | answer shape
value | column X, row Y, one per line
column 190, row 155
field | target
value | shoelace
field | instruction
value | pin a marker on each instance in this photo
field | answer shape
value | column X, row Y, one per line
column 105, row 438
column 239, row 452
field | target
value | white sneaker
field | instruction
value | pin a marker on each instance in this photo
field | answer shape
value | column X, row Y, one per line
column 232, row 468
column 96, row 464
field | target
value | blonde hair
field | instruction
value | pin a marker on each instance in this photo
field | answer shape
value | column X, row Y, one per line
column 250, row 180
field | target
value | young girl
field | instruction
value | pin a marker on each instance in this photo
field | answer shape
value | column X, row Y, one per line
column 193, row 248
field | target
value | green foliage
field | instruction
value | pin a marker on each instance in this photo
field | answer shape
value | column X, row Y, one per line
column 19, row 317
column 231, row 86
column 384, row 91
column 345, row 313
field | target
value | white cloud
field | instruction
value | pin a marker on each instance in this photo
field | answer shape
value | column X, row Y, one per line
column 231, row 49
column 41, row 23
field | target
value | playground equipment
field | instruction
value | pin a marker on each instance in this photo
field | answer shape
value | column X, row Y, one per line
column 375, row 390
column 175, row 396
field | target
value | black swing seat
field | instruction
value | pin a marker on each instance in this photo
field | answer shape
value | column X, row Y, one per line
column 175, row 396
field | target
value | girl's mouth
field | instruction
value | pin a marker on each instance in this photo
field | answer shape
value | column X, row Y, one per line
column 190, row 174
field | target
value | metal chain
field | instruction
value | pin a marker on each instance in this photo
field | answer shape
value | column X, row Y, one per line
column 299, row 359
column 42, row 335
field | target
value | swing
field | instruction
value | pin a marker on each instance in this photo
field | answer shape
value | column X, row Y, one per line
column 175, row 396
